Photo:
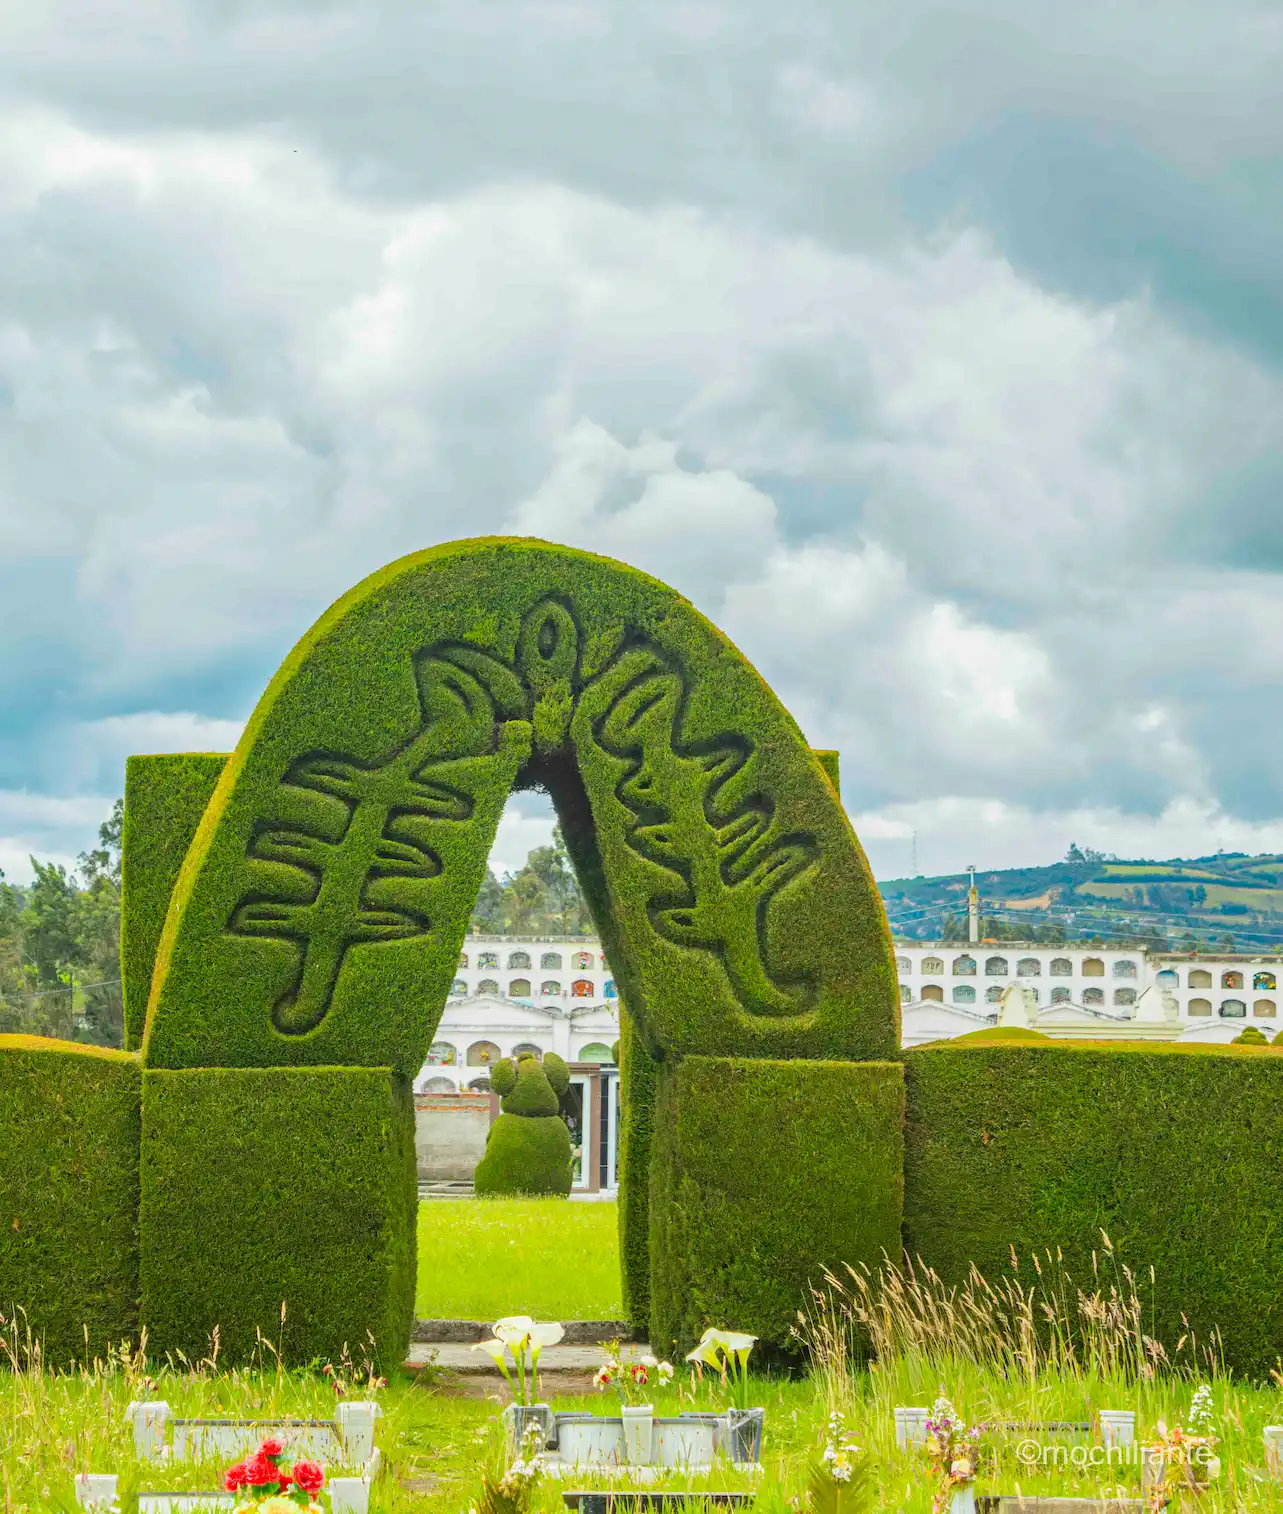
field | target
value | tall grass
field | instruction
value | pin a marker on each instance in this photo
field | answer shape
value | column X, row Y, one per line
column 1033, row 1322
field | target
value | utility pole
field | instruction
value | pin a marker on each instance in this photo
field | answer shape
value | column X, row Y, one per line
column 973, row 910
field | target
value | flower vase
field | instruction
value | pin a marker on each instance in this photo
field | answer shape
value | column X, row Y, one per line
column 639, row 1426
column 963, row 1500
column 519, row 1418
column 745, row 1433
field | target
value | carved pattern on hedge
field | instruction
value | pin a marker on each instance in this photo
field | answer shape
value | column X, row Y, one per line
column 351, row 856
column 724, row 856
column 360, row 854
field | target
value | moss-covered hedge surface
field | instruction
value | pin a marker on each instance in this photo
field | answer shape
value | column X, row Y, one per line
column 279, row 1185
column 638, row 1089
column 1173, row 1152
column 762, row 1175
column 165, row 797
column 69, row 1193
column 320, row 910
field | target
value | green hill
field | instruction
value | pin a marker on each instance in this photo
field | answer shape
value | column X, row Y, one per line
column 1227, row 901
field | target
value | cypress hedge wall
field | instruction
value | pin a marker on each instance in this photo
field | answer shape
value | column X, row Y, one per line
column 263, row 1186
column 762, row 1175
column 69, row 1193
column 319, row 912
column 1173, row 1152
column 165, row 797
column 638, row 1082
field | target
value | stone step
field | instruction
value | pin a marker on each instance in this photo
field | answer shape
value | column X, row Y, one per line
column 465, row 1332
column 456, row 1357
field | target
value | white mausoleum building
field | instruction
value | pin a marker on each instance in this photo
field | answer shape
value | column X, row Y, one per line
column 947, row 990
column 514, row 994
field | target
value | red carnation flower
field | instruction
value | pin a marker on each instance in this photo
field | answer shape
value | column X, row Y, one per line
column 234, row 1477
column 309, row 1476
column 273, row 1448
column 259, row 1471
column 286, row 1478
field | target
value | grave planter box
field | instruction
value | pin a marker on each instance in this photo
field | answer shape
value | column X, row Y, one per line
column 346, row 1442
column 690, row 1442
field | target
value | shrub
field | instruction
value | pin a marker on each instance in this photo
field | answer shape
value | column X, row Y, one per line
column 278, row 1185
column 1002, row 1035
column 320, row 910
column 638, row 1080
column 528, row 1148
column 164, row 800
column 69, row 1192
column 1250, row 1036
column 764, row 1174
column 1170, row 1151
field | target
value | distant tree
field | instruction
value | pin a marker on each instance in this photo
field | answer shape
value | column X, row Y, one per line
column 60, row 946
column 49, row 938
column 542, row 897
column 1073, row 854
column 487, row 913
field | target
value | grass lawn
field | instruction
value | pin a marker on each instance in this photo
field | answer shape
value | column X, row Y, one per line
column 436, row 1443
column 484, row 1258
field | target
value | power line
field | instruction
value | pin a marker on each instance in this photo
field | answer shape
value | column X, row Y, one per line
column 67, row 988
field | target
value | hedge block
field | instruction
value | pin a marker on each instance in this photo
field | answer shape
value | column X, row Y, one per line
column 638, row 1086
column 320, row 910
column 69, row 1130
column 764, row 1174
column 1173, row 1152
column 165, row 797
column 278, row 1185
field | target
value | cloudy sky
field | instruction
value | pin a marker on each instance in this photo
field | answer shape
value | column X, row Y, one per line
column 935, row 352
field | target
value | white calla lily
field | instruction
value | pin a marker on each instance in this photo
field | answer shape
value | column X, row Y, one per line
column 522, row 1321
column 540, row 1336
column 514, row 1330
column 733, row 1340
column 707, row 1354
column 496, row 1351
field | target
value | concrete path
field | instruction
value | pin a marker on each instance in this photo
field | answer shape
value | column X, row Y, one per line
column 462, row 1359
column 463, row 1332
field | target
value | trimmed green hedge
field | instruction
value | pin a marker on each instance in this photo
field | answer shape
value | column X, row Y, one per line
column 828, row 760
column 528, row 1148
column 1172, row 1151
column 762, row 1175
column 1003, row 1035
column 69, row 1193
column 319, row 912
column 164, row 800
column 638, row 1085
column 526, row 1155
column 263, row 1186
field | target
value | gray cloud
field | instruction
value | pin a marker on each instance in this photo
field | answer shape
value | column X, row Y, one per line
column 932, row 353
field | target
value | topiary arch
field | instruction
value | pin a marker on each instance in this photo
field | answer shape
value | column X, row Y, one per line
column 316, row 921
column 321, row 907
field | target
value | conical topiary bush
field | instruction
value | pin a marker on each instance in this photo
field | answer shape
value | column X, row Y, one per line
column 528, row 1149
